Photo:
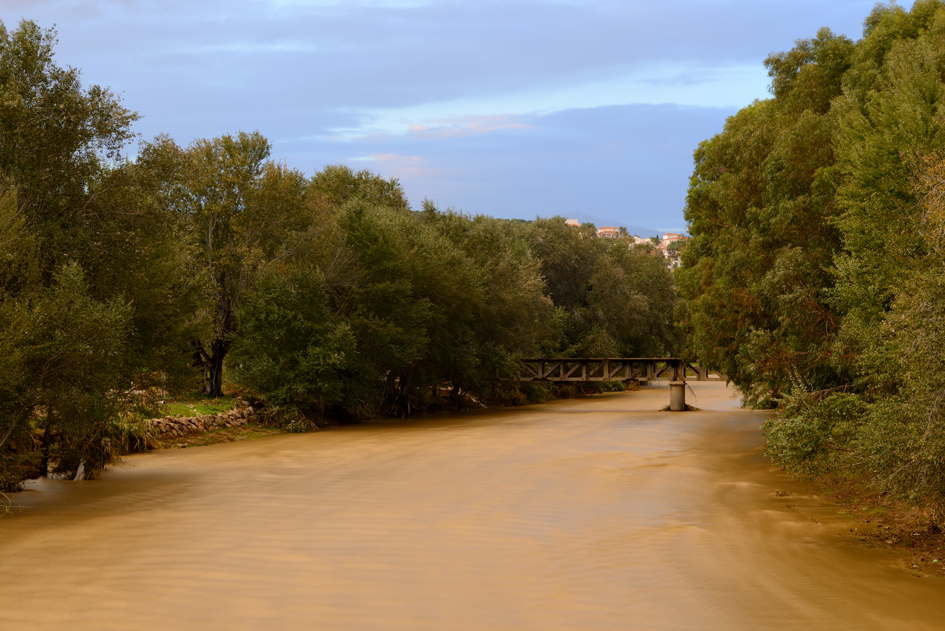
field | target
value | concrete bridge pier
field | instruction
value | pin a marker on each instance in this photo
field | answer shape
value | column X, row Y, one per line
column 677, row 396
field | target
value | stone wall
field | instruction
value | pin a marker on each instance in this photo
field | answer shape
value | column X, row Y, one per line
column 177, row 426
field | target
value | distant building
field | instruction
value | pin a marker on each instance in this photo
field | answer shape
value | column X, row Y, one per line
column 672, row 256
column 637, row 240
column 670, row 237
column 573, row 222
column 608, row 232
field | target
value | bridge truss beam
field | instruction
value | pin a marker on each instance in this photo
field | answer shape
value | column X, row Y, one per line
column 613, row 369
column 643, row 369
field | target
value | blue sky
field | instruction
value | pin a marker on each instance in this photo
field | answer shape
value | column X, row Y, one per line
column 586, row 109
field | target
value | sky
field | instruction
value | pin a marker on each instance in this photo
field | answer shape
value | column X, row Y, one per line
column 515, row 108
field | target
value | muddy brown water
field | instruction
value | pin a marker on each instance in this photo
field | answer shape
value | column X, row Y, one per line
column 597, row 513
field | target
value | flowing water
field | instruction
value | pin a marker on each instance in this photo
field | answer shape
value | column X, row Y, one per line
column 598, row 513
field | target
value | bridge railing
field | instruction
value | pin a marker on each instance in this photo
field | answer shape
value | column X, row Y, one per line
column 613, row 369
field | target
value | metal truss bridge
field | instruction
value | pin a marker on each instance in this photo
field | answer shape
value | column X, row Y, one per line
column 640, row 369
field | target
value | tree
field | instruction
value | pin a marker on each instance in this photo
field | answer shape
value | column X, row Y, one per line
column 60, row 346
column 292, row 347
column 242, row 212
column 614, row 300
column 89, row 266
column 54, row 135
column 761, row 209
column 814, row 275
column 504, row 315
column 337, row 184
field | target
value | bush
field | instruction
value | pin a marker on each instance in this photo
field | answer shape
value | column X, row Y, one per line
column 814, row 430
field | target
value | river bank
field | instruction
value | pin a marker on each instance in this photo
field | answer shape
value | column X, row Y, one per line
column 881, row 522
column 195, row 429
column 244, row 421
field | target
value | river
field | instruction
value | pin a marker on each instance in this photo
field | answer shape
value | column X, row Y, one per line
column 596, row 513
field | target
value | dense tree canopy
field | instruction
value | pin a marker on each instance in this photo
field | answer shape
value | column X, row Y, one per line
column 93, row 294
column 418, row 301
column 814, row 275
column 239, row 212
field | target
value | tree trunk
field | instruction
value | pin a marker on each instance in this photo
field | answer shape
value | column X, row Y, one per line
column 213, row 374
column 44, row 448
column 211, row 364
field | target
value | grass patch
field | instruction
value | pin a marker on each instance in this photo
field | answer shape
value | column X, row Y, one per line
column 198, row 406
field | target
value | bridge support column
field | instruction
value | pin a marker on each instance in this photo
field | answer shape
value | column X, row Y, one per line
column 677, row 396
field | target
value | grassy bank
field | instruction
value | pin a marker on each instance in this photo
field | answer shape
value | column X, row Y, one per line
column 197, row 406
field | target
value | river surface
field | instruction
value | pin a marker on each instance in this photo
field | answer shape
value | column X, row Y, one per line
column 598, row 513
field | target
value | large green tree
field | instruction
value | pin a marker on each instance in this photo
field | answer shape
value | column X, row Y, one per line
column 55, row 136
column 91, row 287
column 368, row 297
column 814, row 274
column 761, row 209
column 240, row 212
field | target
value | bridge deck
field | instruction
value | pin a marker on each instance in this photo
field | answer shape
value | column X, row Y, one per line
column 613, row 369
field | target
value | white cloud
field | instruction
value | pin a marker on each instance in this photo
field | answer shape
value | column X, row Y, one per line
column 392, row 158
column 380, row 4
column 410, row 167
column 654, row 84
column 442, row 128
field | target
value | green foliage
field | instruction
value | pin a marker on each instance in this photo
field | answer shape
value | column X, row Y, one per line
column 292, row 348
column 93, row 292
column 414, row 303
column 760, row 208
column 239, row 212
column 128, row 433
column 814, row 430
column 814, row 275
column 507, row 309
column 615, row 300
column 336, row 185
column 288, row 418
column 60, row 347
column 53, row 132
column 418, row 301
column 510, row 394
